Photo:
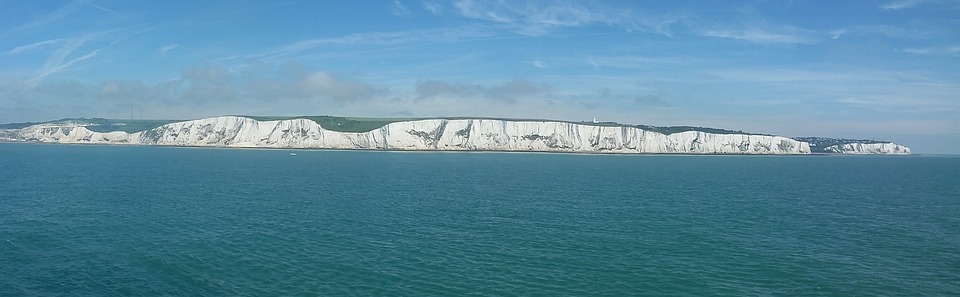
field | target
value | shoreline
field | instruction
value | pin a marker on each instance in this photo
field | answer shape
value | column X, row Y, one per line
column 446, row 151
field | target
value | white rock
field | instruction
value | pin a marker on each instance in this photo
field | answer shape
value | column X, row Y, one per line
column 887, row 148
column 434, row 134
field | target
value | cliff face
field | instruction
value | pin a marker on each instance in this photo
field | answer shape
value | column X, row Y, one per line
column 435, row 134
column 9, row 135
column 70, row 133
column 868, row 148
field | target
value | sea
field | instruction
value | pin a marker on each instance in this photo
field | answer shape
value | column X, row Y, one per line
column 87, row 220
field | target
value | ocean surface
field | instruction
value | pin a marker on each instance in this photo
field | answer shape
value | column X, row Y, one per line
column 80, row 220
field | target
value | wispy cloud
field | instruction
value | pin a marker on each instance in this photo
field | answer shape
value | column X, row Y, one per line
column 906, row 31
column 764, row 35
column 399, row 9
column 32, row 47
column 315, row 85
column 58, row 61
column 766, row 102
column 900, row 103
column 934, row 51
column 100, row 7
column 432, row 7
column 482, row 10
column 540, row 18
column 645, row 62
column 509, row 91
column 60, row 13
column 900, row 4
column 538, row 63
column 52, row 68
column 873, row 90
column 650, row 100
column 212, row 85
column 163, row 50
column 764, row 74
column 835, row 34
column 63, row 53
column 51, row 17
column 396, row 38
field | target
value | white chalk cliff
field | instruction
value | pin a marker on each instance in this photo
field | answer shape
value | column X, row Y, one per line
column 431, row 134
column 887, row 148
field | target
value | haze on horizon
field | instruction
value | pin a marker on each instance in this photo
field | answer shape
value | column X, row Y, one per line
column 886, row 70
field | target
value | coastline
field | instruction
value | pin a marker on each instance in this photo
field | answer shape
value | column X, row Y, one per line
column 457, row 151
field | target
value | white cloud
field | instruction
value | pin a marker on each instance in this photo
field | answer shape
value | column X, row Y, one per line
column 645, row 62
column 539, row 64
column 867, row 90
column 542, row 17
column 396, row 38
column 509, row 91
column 481, row 10
column 906, row 31
column 767, row 102
column 57, row 61
column 32, row 47
column 757, row 34
column 60, row 13
column 325, row 85
column 432, row 7
column 51, row 17
column 100, row 7
column 271, row 83
column 399, row 9
column 901, row 103
column 900, row 4
column 835, row 34
column 934, row 51
column 64, row 53
column 163, row 50
column 789, row 75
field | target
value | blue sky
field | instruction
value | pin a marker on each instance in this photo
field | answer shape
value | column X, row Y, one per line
column 860, row 69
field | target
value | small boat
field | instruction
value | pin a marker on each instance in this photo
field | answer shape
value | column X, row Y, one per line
column 293, row 154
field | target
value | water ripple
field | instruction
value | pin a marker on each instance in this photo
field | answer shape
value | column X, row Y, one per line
column 136, row 221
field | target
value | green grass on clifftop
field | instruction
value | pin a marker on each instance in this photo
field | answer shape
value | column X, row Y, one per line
column 99, row 124
column 339, row 124
column 360, row 125
column 129, row 126
column 819, row 144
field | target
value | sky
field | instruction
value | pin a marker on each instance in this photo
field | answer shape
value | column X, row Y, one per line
column 886, row 70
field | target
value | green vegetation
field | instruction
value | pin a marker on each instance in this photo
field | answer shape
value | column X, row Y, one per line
column 129, row 126
column 99, row 124
column 17, row 125
column 348, row 124
column 356, row 125
column 677, row 129
column 339, row 124
column 819, row 144
column 668, row 129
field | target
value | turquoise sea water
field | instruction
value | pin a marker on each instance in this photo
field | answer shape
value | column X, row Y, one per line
column 148, row 221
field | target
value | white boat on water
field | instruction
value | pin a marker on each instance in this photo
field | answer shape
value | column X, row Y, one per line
column 293, row 154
